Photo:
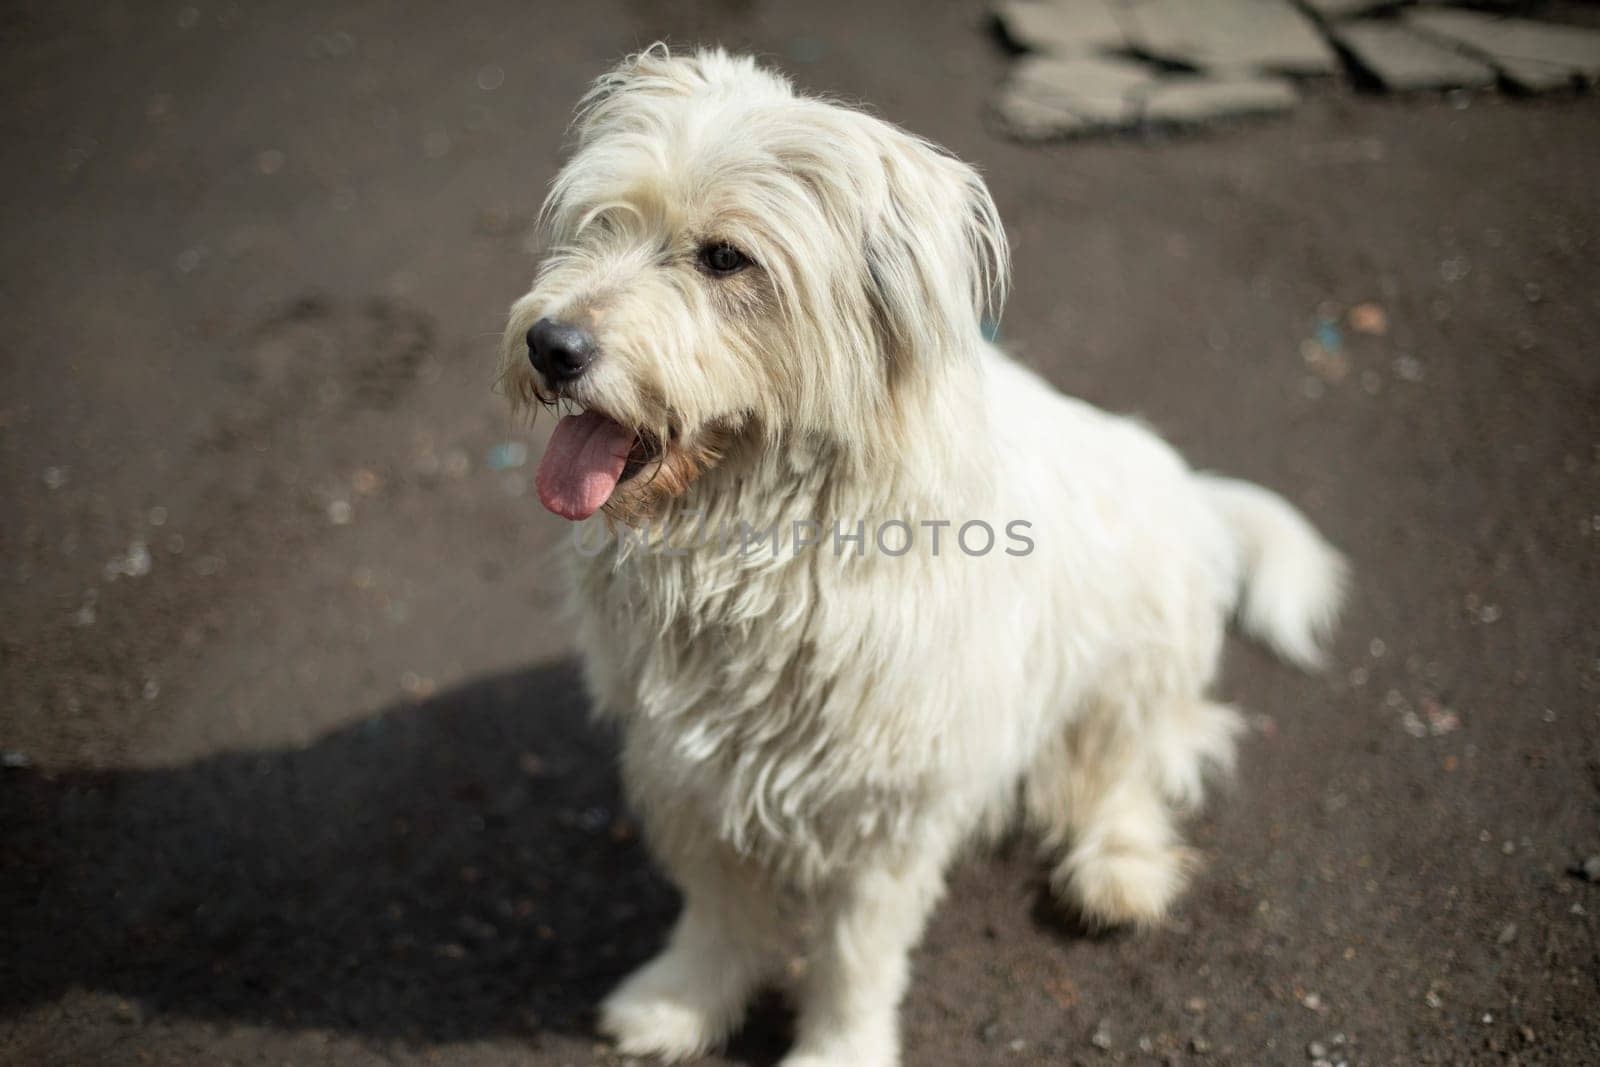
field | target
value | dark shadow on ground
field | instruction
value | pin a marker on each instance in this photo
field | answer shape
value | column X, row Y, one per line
column 446, row 870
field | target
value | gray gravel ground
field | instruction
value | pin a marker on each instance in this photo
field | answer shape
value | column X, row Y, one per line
column 296, row 768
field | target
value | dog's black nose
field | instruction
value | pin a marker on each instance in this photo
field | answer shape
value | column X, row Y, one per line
column 559, row 350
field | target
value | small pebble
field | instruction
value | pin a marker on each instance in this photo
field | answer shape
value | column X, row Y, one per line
column 496, row 222
column 1370, row 319
column 1441, row 720
column 507, row 456
column 136, row 564
column 1589, row 870
column 436, row 144
column 1317, row 1050
column 491, row 78
column 1408, row 368
column 1101, row 1038
column 330, row 46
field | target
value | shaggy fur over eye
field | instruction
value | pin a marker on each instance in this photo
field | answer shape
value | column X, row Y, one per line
column 780, row 302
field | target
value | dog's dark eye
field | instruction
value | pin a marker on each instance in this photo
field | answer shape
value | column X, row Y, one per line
column 722, row 258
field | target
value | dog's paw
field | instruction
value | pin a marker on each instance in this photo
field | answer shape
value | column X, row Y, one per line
column 841, row 1057
column 1126, row 886
column 666, row 1010
column 657, row 1025
column 876, row 1046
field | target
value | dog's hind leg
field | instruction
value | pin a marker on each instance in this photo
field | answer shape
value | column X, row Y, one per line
column 694, row 993
column 1103, row 796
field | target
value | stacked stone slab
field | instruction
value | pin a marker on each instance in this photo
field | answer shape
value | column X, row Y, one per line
column 1400, row 60
column 1435, row 47
column 1530, row 56
column 1097, row 65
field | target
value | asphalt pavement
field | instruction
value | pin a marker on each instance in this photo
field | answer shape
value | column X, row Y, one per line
column 296, row 765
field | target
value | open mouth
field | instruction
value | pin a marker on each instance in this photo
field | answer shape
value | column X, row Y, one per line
column 589, row 455
column 647, row 448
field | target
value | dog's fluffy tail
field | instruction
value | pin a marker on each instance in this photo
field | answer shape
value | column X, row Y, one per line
column 1293, row 581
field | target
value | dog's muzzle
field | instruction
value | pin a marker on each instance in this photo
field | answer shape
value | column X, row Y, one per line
column 560, row 351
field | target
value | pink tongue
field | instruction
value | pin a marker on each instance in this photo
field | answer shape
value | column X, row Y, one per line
column 582, row 464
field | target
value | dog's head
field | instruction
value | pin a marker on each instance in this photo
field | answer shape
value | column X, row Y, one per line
column 732, row 265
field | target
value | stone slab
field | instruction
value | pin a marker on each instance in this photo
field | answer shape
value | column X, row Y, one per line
column 1096, row 89
column 1061, row 27
column 1028, row 118
column 1344, row 9
column 1504, row 5
column 1404, row 61
column 1228, row 34
column 1515, row 41
column 1200, row 99
column 1534, row 76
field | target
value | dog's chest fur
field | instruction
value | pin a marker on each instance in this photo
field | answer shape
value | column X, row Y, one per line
column 745, row 686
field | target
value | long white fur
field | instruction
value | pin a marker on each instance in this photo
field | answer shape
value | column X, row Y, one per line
column 809, row 737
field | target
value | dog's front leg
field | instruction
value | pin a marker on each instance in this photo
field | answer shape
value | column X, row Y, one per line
column 694, row 993
column 858, row 963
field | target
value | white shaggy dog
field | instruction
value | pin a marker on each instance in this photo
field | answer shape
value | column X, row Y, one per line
column 763, row 313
